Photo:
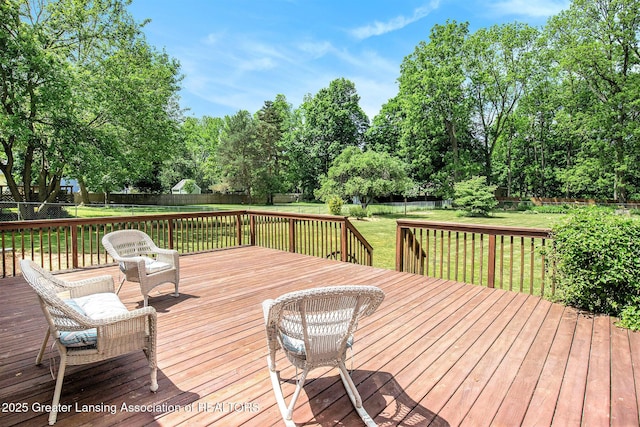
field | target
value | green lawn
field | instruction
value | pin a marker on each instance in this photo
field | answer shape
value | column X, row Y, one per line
column 379, row 230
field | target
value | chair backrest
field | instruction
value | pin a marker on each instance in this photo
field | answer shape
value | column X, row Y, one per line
column 128, row 243
column 50, row 290
column 323, row 318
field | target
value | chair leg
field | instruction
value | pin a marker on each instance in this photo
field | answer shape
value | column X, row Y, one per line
column 56, row 394
column 356, row 400
column 176, row 293
column 43, row 347
column 296, row 393
column 277, row 390
column 154, row 379
column 121, row 283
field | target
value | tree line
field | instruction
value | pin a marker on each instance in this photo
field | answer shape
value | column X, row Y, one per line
column 547, row 112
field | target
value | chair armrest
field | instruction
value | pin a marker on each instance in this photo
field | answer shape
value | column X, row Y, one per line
column 270, row 324
column 170, row 256
column 130, row 316
column 134, row 265
column 90, row 286
column 266, row 308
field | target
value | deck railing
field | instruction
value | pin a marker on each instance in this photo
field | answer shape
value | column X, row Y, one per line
column 66, row 244
column 512, row 258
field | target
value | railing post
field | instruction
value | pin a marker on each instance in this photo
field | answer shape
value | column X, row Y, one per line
column 491, row 273
column 252, row 229
column 292, row 235
column 344, row 247
column 239, row 228
column 399, row 248
column 74, row 245
column 170, row 231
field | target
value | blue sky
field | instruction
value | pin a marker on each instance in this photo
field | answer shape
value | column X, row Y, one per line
column 236, row 54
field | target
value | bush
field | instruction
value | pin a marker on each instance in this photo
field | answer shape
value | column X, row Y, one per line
column 358, row 212
column 475, row 197
column 334, row 204
column 597, row 257
column 553, row 209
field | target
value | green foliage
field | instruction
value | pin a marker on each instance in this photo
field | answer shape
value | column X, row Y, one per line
column 334, row 204
column 189, row 186
column 238, row 152
column 475, row 197
column 365, row 175
column 332, row 121
column 358, row 212
column 630, row 315
column 553, row 209
column 597, row 259
column 83, row 95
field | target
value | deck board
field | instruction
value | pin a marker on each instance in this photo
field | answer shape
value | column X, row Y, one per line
column 437, row 352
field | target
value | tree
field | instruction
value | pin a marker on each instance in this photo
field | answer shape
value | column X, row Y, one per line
column 238, row 152
column 332, row 120
column 385, row 132
column 598, row 43
column 435, row 102
column 365, row 175
column 195, row 156
column 82, row 95
column 273, row 122
column 475, row 197
column 498, row 64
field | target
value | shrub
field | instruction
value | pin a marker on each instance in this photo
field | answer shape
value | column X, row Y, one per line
column 358, row 212
column 553, row 209
column 475, row 197
column 597, row 257
column 334, row 204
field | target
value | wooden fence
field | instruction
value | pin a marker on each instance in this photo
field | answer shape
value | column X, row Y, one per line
column 510, row 258
column 73, row 243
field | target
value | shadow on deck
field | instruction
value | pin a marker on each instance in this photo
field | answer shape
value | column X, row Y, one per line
column 435, row 353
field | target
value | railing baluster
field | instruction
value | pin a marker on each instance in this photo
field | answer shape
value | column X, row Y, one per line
column 74, row 243
column 411, row 249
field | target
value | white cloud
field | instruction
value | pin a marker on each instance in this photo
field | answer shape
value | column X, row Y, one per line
column 536, row 9
column 315, row 49
column 397, row 23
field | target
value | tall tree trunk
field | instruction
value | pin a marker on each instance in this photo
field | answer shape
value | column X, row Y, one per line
column 84, row 193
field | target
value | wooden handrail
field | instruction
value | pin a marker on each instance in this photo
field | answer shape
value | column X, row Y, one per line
column 477, row 228
column 62, row 244
column 458, row 249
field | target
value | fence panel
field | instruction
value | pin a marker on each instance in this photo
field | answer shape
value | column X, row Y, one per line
column 64, row 244
column 510, row 258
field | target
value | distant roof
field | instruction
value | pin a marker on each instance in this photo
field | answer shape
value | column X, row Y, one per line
column 181, row 184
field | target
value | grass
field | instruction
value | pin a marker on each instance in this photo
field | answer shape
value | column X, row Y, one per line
column 379, row 230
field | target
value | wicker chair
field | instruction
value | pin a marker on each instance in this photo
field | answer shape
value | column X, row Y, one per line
column 315, row 328
column 142, row 261
column 89, row 323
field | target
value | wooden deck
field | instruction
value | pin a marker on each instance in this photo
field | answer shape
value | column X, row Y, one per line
column 435, row 353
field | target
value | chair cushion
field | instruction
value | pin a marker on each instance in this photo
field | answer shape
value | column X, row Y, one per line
column 95, row 306
column 101, row 305
column 151, row 265
column 296, row 346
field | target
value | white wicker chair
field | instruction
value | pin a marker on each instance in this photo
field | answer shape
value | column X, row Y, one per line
column 109, row 331
column 142, row 261
column 315, row 328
